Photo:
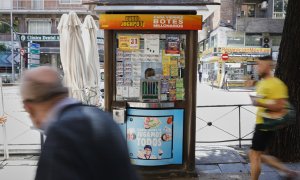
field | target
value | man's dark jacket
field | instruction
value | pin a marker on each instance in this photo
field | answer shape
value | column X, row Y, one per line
column 84, row 144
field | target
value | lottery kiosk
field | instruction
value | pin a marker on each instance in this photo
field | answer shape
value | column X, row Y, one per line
column 150, row 87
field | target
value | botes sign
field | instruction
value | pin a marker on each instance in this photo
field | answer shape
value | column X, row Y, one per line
column 150, row 22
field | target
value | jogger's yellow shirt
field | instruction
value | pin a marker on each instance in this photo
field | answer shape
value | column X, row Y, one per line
column 269, row 89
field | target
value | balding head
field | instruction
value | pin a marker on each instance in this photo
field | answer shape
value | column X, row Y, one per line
column 41, row 84
column 41, row 90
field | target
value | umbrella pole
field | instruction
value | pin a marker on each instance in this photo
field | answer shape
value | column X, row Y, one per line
column 5, row 145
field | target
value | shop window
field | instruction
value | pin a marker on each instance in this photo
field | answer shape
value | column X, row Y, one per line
column 37, row 4
column 39, row 26
column 253, row 40
column 5, row 4
column 235, row 39
column 276, row 40
column 248, row 10
column 70, row 1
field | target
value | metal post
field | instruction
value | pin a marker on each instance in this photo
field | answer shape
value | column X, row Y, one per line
column 28, row 59
column 240, row 131
column 12, row 48
column 5, row 145
column 42, row 140
column 21, row 65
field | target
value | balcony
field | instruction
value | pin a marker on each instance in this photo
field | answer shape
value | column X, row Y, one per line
column 45, row 6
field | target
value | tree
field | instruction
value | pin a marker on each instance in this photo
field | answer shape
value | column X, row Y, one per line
column 286, row 144
column 2, row 47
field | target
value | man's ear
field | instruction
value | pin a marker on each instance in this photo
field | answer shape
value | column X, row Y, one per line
column 27, row 106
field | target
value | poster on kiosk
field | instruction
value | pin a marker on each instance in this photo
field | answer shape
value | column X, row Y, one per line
column 155, row 137
column 149, row 69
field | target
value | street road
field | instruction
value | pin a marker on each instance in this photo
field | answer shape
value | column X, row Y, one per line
column 18, row 126
column 224, row 120
column 19, row 131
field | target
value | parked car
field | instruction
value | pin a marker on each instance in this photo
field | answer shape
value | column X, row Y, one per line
column 6, row 77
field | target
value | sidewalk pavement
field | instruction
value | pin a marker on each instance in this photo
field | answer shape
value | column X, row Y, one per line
column 222, row 162
column 212, row 163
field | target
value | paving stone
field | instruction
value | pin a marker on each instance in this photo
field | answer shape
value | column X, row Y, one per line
column 21, row 163
column 293, row 166
column 17, row 173
column 233, row 168
column 269, row 176
column 217, row 156
column 222, row 176
column 210, row 169
column 264, row 168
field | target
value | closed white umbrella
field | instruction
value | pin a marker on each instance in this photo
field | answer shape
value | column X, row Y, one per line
column 73, row 59
column 63, row 31
column 89, row 35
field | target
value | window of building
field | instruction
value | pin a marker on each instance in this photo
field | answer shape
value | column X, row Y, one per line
column 280, row 5
column 276, row 39
column 279, row 8
column 70, row 1
column 253, row 40
column 39, row 26
column 5, row 4
column 206, row 44
column 37, row 4
column 248, row 10
column 235, row 39
column 201, row 46
column 214, row 41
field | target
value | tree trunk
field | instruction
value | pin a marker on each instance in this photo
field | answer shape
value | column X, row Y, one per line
column 286, row 144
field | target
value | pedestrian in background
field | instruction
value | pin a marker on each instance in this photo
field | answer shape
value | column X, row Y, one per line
column 225, row 81
column 272, row 95
column 200, row 74
column 83, row 143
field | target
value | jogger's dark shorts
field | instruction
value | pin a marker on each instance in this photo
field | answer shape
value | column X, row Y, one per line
column 261, row 139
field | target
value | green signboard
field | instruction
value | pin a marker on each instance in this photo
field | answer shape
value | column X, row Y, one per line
column 35, row 51
column 39, row 37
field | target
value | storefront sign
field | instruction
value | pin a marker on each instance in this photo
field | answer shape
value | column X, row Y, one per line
column 33, row 37
column 246, row 51
column 127, row 43
column 149, row 21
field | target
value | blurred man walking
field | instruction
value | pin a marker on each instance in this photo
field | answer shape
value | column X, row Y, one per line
column 83, row 143
column 272, row 95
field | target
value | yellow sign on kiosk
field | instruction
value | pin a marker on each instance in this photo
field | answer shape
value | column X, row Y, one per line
column 150, row 21
column 129, row 43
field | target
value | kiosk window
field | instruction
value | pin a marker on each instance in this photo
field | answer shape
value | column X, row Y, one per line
column 149, row 67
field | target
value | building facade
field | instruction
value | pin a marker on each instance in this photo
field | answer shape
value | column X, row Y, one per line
column 36, row 21
column 241, row 30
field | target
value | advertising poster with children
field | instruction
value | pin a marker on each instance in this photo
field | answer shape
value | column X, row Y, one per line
column 150, row 138
column 154, row 136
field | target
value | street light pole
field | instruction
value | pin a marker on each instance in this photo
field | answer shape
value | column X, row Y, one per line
column 12, row 48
